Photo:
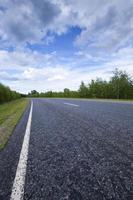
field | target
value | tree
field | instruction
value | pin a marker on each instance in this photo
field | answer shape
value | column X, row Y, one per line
column 6, row 94
column 33, row 93
column 121, row 85
column 83, row 90
column 98, row 88
column 66, row 92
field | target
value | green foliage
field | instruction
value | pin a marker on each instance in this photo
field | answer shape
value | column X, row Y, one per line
column 6, row 94
column 10, row 113
column 120, row 86
column 66, row 92
column 83, row 90
column 34, row 93
column 98, row 88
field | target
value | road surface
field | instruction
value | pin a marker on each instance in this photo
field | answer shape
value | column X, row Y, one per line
column 78, row 150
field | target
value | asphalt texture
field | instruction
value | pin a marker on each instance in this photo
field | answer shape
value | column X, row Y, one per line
column 82, row 152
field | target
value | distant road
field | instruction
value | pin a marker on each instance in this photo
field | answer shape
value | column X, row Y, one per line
column 77, row 150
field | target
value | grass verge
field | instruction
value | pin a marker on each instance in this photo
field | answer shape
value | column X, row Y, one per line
column 10, row 113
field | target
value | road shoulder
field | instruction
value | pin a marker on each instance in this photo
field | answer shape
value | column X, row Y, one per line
column 9, row 157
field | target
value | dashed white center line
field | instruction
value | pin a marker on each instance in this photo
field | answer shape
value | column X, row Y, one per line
column 19, row 181
column 71, row 104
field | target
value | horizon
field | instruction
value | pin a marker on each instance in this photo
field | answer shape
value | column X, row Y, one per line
column 55, row 45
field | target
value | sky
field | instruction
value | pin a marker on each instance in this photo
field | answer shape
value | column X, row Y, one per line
column 56, row 44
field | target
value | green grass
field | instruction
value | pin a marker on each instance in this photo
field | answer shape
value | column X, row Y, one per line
column 10, row 113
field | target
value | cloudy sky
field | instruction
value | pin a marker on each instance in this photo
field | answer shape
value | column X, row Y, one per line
column 53, row 44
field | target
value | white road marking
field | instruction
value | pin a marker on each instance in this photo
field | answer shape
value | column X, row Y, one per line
column 19, row 181
column 71, row 104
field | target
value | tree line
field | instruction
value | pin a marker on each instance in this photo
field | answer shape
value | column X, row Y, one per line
column 120, row 86
column 6, row 94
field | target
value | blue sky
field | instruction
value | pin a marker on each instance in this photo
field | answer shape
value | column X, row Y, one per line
column 51, row 45
column 63, row 44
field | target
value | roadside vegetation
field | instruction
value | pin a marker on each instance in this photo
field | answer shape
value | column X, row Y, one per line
column 6, row 94
column 10, row 113
column 120, row 86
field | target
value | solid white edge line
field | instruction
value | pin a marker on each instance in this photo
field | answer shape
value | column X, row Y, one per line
column 71, row 104
column 19, row 181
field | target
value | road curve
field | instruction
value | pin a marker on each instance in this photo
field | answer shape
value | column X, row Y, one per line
column 80, row 150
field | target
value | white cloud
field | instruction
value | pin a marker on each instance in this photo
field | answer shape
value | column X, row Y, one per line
column 103, row 45
column 47, row 73
column 24, row 21
column 54, row 75
column 105, row 24
column 19, row 60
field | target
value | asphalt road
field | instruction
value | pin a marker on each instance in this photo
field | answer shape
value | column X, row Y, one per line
column 78, row 150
